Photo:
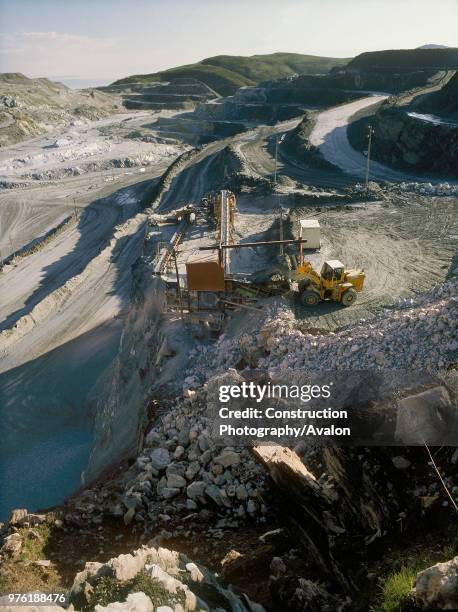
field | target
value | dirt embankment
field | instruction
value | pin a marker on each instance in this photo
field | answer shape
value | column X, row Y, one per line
column 297, row 141
column 297, row 144
column 202, row 170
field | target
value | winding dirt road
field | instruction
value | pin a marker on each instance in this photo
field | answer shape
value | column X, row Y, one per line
column 329, row 135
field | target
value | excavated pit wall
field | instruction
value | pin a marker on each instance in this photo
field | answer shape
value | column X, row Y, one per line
column 120, row 397
column 410, row 143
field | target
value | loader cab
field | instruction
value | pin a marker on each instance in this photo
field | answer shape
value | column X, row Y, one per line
column 333, row 271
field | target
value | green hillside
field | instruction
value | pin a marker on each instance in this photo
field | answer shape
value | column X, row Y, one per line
column 226, row 73
column 259, row 68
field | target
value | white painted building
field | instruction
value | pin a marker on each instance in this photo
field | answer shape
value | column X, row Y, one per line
column 310, row 230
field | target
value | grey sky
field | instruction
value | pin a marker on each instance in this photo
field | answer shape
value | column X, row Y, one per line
column 108, row 39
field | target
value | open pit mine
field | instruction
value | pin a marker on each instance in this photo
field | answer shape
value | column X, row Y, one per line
column 172, row 233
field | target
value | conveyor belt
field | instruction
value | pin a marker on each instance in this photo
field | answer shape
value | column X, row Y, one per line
column 225, row 229
column 167, row 251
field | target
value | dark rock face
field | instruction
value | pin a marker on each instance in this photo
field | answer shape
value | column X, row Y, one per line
column 444, row 101
column 377, row 78
column 403, row 141
column 407, row 60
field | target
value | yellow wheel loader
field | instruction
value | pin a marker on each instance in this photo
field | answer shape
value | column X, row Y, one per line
column 333, row 283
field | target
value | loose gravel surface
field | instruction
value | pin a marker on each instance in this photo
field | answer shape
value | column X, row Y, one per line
column 404, row 245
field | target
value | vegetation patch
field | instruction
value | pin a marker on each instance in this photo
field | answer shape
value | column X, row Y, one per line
column 34, row 542
column 108, row 589
column 23, row 575
column 396, row 590
column 392, row 591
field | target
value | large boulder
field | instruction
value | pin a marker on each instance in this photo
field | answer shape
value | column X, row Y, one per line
column 12, row 546
column 126, row 567
column 427, row 417
column 21, row 517
column 227, row 458
column 17, row 516
column 437, row 586
column 160, row 458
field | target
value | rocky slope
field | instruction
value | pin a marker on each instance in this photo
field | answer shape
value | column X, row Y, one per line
column 397, row 70
column 418, row 334
column 339, row 512
column 146, row 580
column 415, row 131
column 29, row 107
column 183, row 468
column 415, row 144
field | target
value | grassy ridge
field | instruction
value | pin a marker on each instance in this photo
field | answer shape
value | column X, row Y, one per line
column 226, row 73
column 259, row 68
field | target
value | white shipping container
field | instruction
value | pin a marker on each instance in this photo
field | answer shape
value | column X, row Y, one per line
column 310, row 230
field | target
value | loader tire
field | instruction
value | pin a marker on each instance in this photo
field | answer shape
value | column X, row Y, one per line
column 310, row 298
column 348, row 297
column 303, row 285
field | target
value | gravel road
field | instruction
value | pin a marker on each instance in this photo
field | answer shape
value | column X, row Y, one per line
column 330, row 136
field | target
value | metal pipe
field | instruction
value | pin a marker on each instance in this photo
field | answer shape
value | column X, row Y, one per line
column 251, row 244
column 173, row 244
column 178, row 284
column 301, row 255
column 368, row 162
column 240, row 305
column 276, row 155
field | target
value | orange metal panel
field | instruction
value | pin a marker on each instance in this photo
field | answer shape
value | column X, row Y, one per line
column 205, row 273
